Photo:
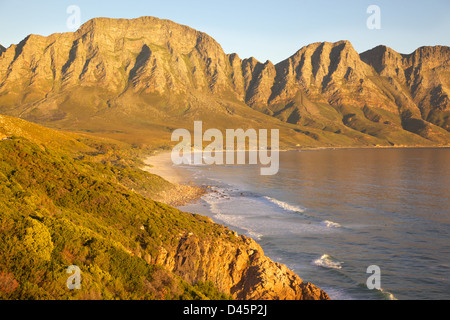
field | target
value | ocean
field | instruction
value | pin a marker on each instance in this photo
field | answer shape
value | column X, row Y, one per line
column 330, row 214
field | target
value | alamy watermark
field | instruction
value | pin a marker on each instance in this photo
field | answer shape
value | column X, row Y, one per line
column 374, row 281
column 189, row 151
column 74, row 281
column 374, row 20
column 73, row 22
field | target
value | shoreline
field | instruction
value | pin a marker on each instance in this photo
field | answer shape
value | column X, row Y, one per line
column 158, row 152
column 185, row 191
column 164, row 160
column 369, row 147
column 162, row 165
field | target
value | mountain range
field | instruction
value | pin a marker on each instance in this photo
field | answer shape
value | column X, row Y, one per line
column 137, row 80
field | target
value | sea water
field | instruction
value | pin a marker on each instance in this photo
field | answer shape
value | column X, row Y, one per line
column 330, row 214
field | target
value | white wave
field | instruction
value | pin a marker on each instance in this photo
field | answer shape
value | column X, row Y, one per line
column 328, row 262
column 330, row 224
column 216, row 201
column 214, row 209
column 338, row 294
column 237, row 222
column 284, row 205
column 254, row 235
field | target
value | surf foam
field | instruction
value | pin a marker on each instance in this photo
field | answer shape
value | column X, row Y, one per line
column 218, row 197
column 284, row 205
column 330, row 224
column 326, row 261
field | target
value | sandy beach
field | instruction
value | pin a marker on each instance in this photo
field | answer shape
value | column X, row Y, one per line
column 183, row 192
column 161, row 165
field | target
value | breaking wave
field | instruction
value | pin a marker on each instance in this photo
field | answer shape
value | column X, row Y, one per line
column 330, row 224
column 284, row 205
column 326, row 261
column 215, row 200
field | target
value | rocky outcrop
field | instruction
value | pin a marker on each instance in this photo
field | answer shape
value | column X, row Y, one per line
column 237, row 267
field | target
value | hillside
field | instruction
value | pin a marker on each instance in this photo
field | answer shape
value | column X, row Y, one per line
column 76, row 204
column 138, row 80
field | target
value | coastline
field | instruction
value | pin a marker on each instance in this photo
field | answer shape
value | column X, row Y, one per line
column 183, row 192
column 160, row 163
column 369, row 147
column 261, row 277
column 173, row 173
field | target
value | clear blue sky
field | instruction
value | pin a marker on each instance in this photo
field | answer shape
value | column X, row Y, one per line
column 266, row 30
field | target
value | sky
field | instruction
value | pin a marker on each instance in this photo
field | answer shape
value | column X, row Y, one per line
column 266, row 30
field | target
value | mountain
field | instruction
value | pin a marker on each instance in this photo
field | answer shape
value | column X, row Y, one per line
column 70, row 203
column 330, row 86
column 425, row 75
column 138, row 80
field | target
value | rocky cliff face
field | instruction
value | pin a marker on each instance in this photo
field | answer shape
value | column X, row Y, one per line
column 118, row 70
column 238, row 268
column 425, row 74
column 145, row 54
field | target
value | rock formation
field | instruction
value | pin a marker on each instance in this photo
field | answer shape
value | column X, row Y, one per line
column 238, row 268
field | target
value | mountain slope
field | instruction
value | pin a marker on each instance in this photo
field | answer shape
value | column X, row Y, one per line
column 137, row 80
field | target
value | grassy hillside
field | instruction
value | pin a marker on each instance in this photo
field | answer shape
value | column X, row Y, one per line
column 71, row 204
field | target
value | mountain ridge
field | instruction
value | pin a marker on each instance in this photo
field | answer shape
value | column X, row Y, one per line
column 167, row 75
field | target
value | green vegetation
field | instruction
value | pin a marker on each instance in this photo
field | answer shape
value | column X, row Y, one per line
column 58, row 209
